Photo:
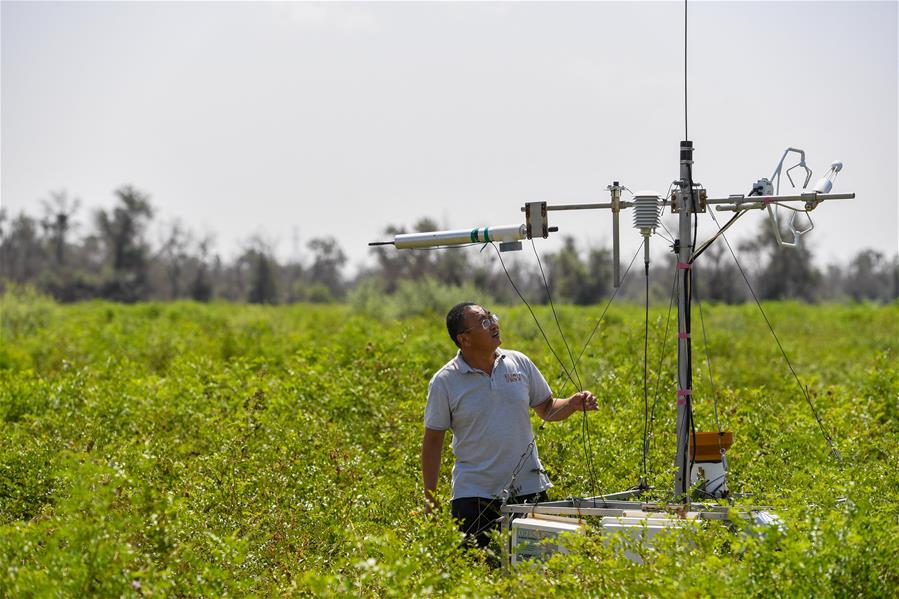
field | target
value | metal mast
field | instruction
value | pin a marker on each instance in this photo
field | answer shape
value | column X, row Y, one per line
column 685, row 204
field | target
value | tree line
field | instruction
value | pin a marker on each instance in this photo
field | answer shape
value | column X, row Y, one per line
column 112, row 257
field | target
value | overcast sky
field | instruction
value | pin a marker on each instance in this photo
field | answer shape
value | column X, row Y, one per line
column 301, row 120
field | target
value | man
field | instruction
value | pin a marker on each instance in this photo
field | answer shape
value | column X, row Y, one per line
column 483, row 396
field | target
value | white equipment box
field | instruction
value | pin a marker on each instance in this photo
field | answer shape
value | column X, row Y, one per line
column 529, row 534
column 642, row 527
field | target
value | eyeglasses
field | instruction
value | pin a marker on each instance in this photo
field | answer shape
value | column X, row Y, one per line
column 486, row 322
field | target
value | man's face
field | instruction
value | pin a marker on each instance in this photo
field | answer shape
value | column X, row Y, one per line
column 477, row 336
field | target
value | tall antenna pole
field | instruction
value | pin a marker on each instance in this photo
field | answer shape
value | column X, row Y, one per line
column 683, row 248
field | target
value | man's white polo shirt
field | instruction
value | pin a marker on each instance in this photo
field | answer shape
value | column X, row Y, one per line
column 490, row 419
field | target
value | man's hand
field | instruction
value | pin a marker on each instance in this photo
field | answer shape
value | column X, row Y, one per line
column 431, row 503
column 560, row 409
column 583, row 401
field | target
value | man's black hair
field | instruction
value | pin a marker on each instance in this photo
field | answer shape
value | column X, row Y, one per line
column 455, row 320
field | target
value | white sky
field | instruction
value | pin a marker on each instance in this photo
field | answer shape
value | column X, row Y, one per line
column 341, row 118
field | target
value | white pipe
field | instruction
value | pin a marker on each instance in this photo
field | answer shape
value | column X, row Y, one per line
column 459, row 237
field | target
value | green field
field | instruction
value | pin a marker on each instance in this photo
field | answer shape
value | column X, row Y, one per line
column 211, row 450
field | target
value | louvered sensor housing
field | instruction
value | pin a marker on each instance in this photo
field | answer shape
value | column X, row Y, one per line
column 646, row 212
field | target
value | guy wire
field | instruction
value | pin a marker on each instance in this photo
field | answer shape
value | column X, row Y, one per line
column 532, row 445
column 534, row 316
column 585, row 426
column 552, row 305
column 655, row 399
column 833, row 449
column 609, row 303
column 708, row 361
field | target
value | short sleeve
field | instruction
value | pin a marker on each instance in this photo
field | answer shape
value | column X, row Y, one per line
column 538, row 390
column 437, row 410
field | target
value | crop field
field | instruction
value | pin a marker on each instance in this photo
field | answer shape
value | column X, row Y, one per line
column 227, row 450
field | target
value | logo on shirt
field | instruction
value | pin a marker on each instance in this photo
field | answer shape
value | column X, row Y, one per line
column 514, row 377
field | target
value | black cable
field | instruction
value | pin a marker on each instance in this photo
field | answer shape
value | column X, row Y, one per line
column 585, row 426
column 721, row 229
column 655, row 400
column 687, row 384
column 802, row 388
column 609, row 303
column 646, row 370
column 533, row 442
column 693, row 207
column 534, row 316
column 697, row 253
column 552, row 305
column 688, row 301
column 708, row 361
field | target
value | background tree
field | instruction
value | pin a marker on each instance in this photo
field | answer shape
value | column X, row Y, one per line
column 201, row 288
column 324, row 276
column 720, row 278
column 174, row 253
column 22, row 252
column 113, row 260
column 568, row 277
column 869, row 277
column 784, row 273
column 58, row 222
column 122, row 231
column 258, row 266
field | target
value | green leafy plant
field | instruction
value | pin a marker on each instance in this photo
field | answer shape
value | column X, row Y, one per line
column 211, row 450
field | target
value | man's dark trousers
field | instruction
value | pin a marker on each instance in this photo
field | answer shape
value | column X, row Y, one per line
column 477, row 516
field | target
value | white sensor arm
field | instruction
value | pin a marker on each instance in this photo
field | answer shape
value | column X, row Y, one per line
column 430, row 239
column 778, row 170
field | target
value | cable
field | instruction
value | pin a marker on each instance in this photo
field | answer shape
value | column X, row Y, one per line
column 708, row 360
column 802, row 388
column 534, row 316
column 609, row 303
column 585, row 426
column 667, row 237
column 645, row 374
column 533, row 442
column 687, row 384
column 661, row 361
column 552, row 305
column 720, row 232
column 670, row 237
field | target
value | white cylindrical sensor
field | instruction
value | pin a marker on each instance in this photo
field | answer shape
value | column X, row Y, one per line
column 824, row 185
column 460, row 236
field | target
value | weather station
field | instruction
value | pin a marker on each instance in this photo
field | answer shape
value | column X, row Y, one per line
column 699, row 490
